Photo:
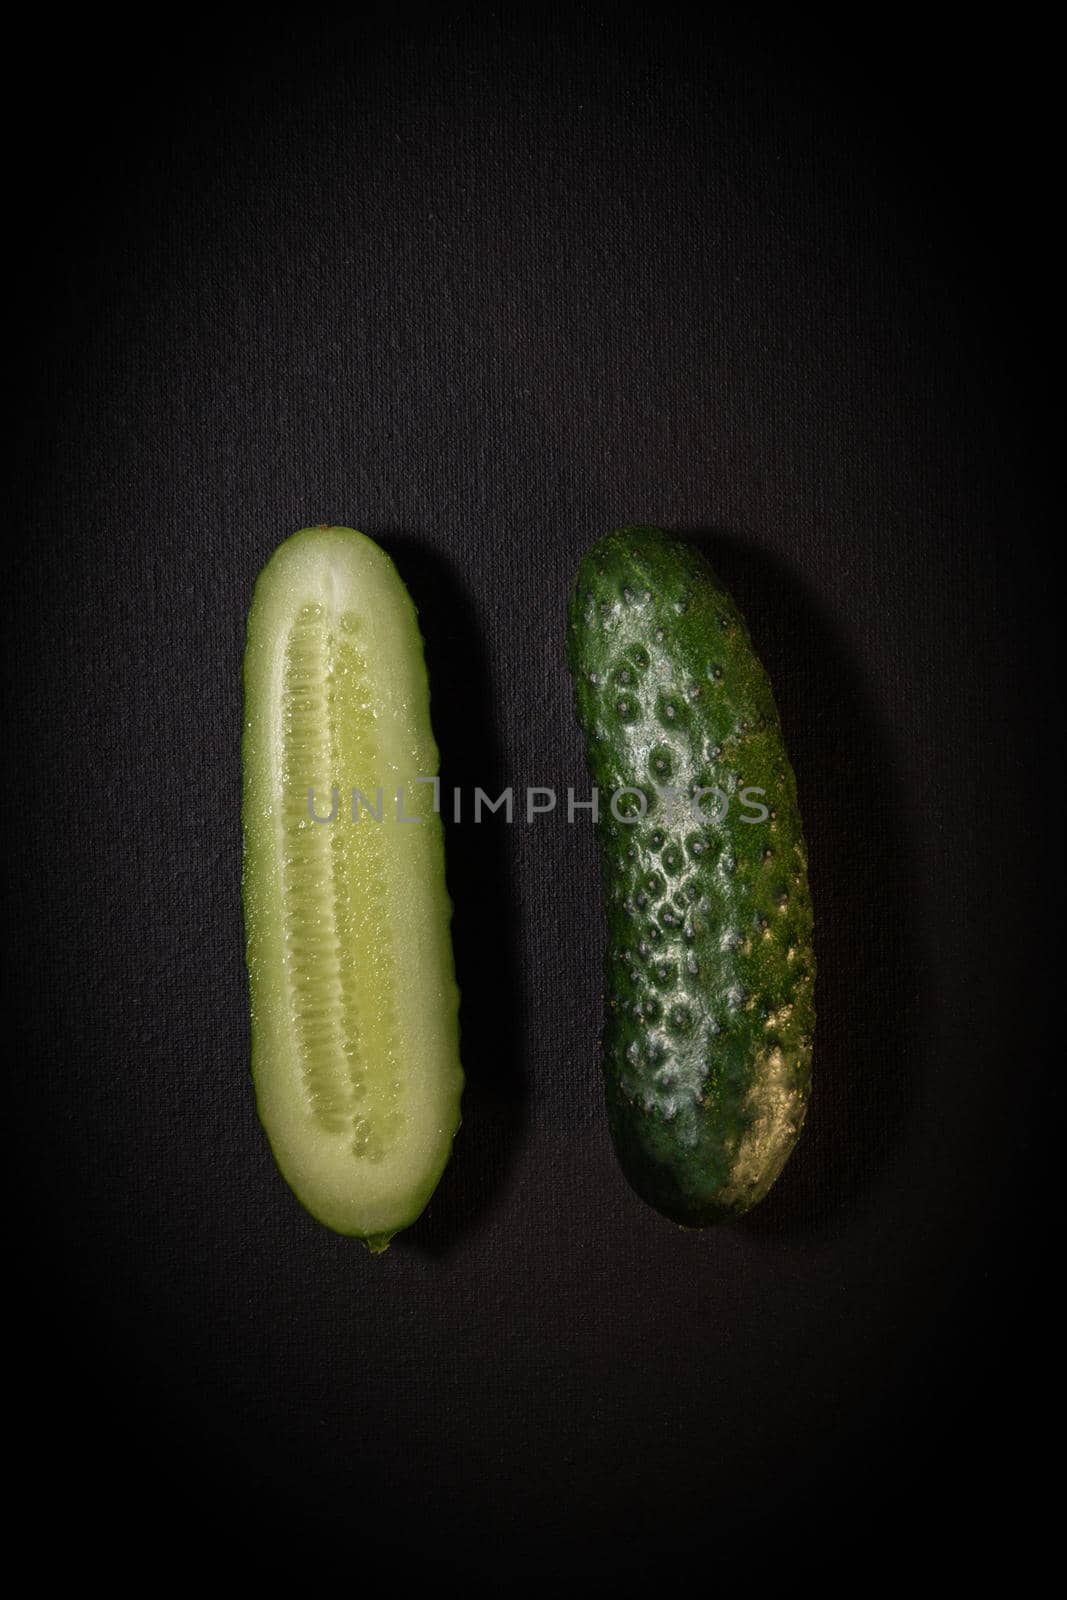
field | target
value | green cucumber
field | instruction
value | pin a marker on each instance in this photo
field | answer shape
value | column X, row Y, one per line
column 354, row 1006
column 710, row 969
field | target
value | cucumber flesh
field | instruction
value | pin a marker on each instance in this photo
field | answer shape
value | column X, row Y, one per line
column 354, row 1005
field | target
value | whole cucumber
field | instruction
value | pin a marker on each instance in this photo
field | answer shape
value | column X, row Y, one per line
column 710, row 969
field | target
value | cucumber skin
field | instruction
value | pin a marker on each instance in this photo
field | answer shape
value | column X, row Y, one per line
column 707, row 1072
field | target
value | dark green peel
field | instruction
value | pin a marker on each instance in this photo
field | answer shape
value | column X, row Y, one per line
column 710, row 967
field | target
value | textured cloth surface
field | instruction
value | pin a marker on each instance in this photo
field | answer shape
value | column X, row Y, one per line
column 485, row 291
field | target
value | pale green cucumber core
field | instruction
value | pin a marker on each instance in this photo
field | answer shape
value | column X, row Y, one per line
column 343, row 968
column 354, row 1004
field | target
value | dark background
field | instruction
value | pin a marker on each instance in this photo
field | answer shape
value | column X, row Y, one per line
column 485, row 288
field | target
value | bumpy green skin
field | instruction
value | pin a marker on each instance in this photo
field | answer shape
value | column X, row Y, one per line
column 710, row 968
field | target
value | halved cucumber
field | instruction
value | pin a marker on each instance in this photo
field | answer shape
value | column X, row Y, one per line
column 355, row 1034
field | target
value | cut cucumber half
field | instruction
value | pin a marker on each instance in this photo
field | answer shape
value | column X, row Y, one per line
column 354, row 1005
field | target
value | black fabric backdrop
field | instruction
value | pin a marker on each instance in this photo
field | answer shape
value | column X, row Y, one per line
column 484, row 289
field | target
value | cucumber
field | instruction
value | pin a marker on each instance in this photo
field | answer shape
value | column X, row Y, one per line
column 710, row 969
column 354, row 1005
